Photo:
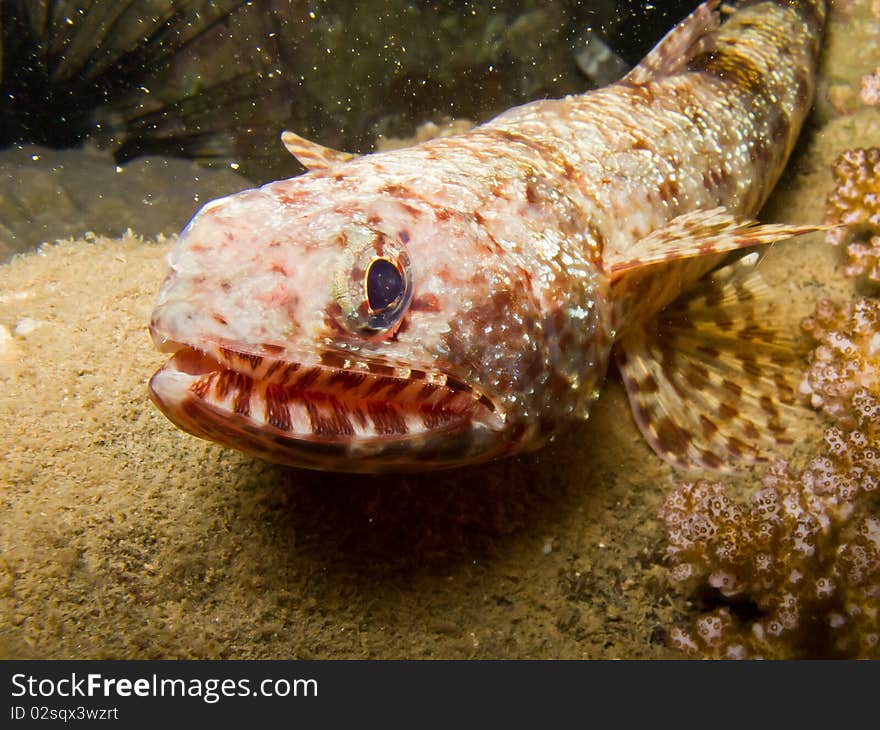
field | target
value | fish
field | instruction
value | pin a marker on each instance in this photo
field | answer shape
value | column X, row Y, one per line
column 462, row 299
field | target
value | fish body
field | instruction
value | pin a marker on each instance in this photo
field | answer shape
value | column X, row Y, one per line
column 460, row 300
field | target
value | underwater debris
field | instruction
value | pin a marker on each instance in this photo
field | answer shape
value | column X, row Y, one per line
column 797, row 566
column 855, row 203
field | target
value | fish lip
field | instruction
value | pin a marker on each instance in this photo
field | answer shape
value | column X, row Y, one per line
column 185, row 390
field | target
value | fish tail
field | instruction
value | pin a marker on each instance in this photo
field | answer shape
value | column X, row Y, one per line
column 767, row 47
column 815, row 11
column 762, row 58
column 812, row 11
column 766, row 55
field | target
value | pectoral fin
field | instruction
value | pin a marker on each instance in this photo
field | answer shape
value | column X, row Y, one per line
column 311, row 155
column 710, row 379
column 699, row 233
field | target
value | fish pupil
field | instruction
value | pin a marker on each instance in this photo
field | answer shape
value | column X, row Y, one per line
column 385, row 284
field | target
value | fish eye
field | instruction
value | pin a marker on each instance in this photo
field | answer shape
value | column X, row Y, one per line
column 385, row 285
column 373, row 284
column 387, row 291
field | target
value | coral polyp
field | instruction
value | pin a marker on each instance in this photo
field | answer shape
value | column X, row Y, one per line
column 854, row 209
column 846, row 357
column 795, row 568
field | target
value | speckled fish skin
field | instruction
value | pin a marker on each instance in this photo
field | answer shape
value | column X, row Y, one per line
column 520, row 251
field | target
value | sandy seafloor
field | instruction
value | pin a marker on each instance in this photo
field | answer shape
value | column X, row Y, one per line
column 122, row 537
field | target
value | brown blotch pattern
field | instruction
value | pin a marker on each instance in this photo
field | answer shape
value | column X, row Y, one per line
column 386, row 419
column 277, row 413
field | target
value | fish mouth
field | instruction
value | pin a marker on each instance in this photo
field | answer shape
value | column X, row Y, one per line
column 337, row 414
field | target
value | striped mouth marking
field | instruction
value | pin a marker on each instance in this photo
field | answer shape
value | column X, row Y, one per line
column 264, row 405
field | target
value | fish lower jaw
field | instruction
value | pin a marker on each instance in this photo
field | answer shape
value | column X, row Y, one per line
column 325, row 416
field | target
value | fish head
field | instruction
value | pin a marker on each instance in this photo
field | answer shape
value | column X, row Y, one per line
column 361, row 334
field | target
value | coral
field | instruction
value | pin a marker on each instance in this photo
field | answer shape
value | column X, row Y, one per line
column 797, row 566
column 846, row 357
column 854, row 207
column 870, row 88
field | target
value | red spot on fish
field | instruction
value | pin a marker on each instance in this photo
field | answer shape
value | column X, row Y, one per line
column 295, row 197
column 276, row 297
column 425, row 303
column 201, row 386
column 411, row 209
column 393, row 189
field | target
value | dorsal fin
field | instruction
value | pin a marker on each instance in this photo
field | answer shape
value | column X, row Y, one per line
column 698, row 233
column 687, row 40
column 312, row 155
column 709, row 379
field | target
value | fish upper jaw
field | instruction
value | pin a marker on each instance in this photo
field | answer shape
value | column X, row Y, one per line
column 330, row 412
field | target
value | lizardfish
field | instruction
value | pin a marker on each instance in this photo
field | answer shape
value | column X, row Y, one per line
column 460, row 300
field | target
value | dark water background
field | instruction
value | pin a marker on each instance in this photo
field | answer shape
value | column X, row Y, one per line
column 104, row 104
column 218, row 81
